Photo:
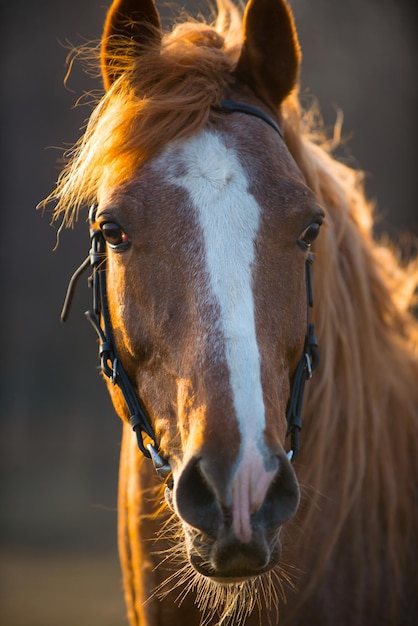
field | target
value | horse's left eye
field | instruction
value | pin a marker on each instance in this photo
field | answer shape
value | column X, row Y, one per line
column 308, row 236
column 114, row 235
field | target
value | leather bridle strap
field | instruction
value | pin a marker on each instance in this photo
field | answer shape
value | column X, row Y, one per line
column 304, row 369
column 110, row 364
column 238, row 107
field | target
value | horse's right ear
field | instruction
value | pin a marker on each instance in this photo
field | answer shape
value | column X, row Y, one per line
column 270, row 55
column 136, row 20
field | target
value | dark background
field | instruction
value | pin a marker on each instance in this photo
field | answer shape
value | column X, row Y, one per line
column 59, row 436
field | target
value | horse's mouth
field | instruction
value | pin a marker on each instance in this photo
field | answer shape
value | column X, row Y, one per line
column 232, row 580
column 226, row 560
column 230, row 576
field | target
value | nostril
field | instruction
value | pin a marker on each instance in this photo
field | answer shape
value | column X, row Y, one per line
column 282, row 498
column 195, row 501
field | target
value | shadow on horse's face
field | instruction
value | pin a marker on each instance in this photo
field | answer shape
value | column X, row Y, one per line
column 208, row 307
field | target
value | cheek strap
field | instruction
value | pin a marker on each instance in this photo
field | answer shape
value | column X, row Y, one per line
column 110, row 364
column 307, row 363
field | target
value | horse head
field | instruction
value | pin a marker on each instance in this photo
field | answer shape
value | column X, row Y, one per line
column 207, row 237
column 207, row 183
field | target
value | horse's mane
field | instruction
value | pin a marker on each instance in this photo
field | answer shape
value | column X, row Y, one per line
column 361, row 408
column 164, row 93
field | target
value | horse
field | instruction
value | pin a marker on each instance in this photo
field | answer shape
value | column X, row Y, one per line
column 229, row 249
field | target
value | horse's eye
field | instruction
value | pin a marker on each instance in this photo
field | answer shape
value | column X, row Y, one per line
column 114, row 235
column 308, row 236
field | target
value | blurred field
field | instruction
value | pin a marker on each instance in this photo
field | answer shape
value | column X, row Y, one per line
column 38, row 589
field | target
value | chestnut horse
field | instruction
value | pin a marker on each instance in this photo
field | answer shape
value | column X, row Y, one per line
column 209, row 187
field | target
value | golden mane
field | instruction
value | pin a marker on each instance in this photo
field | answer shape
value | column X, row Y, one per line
column 163, row 94
column 361, row 409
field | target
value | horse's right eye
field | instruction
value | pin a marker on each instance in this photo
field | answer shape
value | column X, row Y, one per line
column 306, row 239
column 114, row 235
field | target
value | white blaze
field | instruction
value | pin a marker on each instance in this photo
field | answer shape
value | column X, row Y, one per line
column 229, row 218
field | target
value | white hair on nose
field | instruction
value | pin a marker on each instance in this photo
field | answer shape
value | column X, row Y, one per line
column 229, row 218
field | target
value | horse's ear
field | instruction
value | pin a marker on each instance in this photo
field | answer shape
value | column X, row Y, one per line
column 270, row 57
column 136, row 20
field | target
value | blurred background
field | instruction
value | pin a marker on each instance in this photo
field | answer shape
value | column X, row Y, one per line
column 59, row 436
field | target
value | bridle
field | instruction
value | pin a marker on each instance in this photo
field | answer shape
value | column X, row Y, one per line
column 111, row 365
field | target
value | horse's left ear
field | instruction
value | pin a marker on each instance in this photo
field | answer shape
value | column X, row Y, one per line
column 270, row 57
column 136, row 20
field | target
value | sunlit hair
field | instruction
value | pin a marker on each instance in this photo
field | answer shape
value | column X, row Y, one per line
column 361, row 412
column 163, row 94
column 361, row 409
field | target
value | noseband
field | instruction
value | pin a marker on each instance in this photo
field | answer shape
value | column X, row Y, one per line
column 112, row 367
